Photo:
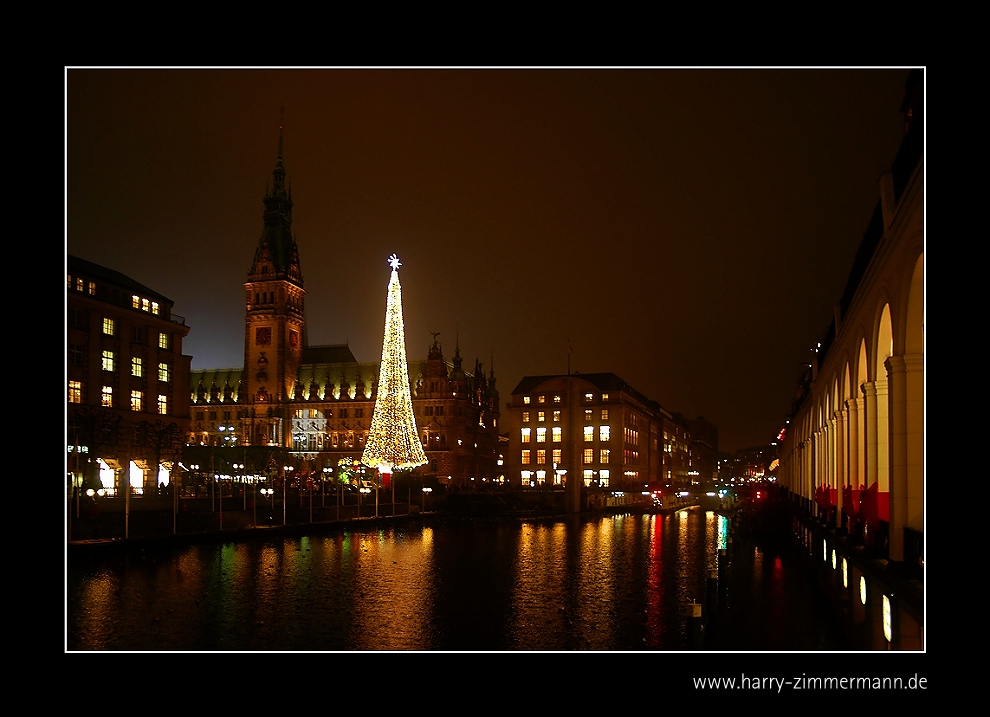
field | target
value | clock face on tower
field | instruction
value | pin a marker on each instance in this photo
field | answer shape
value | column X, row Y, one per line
column 293, row 338
column 263, row 336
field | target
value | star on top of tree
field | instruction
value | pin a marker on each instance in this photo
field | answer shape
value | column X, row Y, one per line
column 394, row 261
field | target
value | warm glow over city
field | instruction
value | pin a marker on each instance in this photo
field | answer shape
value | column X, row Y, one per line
column 653, row 379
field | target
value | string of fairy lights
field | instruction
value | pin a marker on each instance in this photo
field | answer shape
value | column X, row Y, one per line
column 393, row 440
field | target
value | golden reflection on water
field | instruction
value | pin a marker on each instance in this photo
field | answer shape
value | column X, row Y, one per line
column 396, row 594
column 98, row 602
column 536, row 611
column 608, row 583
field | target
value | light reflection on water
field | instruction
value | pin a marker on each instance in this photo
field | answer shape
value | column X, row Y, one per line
column 611, row 583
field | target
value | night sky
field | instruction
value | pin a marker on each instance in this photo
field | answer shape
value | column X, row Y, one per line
column 687, row 229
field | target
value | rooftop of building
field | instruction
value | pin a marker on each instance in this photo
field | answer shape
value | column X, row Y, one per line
column 76, row 265
column 606, row 382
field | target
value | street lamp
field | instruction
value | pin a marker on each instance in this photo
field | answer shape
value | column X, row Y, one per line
column 285, row 491
column 270, row 492
column 216, row 477
column 361, row 489
column 240, row 467
column 327, row 472
column 194, row 467
column 425, row 491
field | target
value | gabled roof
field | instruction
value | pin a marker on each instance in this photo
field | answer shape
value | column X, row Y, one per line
column 331, row 353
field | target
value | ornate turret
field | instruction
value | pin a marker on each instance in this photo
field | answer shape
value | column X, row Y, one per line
column 458, row 379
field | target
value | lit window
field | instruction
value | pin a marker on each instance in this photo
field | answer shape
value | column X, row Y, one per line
column 137, row 368
column 589, row 455
column 526, row 400
column 604, row 455
column 541, row 399
column 75, row 391
column 541, row 477
column 556, row 455
column 163, row 341
column 541, row 456
column 108, row 360
column 604, row 414
column 526, row 477
column 604, row 396
column 525, row 416
column 137, row 401
column 162, row 404
column 587, row 414
column 108, row 396
column 525, row 457
column 556, row 416
column 588, row 476
column 154, row 308
column 603, row 478
column 79, row 284
column 145, row 305
column 541, row 416
column 589, row 433
column 108, row 327
column 135, row 302
column 556, row 434
column 92, row 288
column 163, row 372
column 525, row 434
column 589, row 397
column 541, row 435
column 604, row 433
column 556, row 399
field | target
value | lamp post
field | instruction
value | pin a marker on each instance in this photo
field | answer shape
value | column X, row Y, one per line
column 176, row 467
column 94, row 510
column 216, row 479
column 327, row 470
column 426, row 490
column 285, row 491
column 240, row 467
column 270, row 492
column 361, row 490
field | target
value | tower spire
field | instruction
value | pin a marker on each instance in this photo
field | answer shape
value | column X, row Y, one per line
column 277, row 246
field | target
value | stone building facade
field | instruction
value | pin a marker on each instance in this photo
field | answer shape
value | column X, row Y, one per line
column 128, row 380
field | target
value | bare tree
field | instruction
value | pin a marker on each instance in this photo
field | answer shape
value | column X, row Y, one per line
column 99, row 431
column 158, row 439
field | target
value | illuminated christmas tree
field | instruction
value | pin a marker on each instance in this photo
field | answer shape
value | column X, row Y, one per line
column 393, row 441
